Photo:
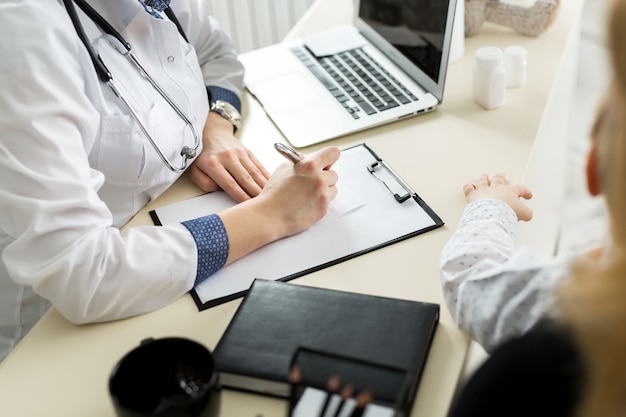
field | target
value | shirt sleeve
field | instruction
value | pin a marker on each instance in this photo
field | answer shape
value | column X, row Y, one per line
column 493, row 290
column 222, row 71
column 212, row 242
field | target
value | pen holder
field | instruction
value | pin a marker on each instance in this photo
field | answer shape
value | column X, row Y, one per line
column 166, row 377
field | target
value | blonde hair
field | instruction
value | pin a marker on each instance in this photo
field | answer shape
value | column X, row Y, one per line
column 593, row 303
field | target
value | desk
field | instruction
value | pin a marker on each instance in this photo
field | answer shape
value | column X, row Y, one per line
column 62, row 370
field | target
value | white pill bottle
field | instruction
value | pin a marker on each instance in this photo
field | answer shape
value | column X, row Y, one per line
column 489, row 77
column 515, row 66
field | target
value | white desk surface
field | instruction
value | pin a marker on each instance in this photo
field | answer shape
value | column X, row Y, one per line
column 61, row 369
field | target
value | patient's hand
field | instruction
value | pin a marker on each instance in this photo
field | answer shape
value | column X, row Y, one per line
column 498, row 187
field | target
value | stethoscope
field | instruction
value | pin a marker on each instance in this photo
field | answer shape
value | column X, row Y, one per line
column 105, row 76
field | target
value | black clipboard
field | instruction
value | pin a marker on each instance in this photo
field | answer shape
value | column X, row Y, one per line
column 392, row 211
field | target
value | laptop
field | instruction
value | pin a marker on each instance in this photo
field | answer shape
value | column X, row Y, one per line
column 389, row 64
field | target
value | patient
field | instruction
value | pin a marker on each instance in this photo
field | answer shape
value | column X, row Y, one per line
column 555, row 329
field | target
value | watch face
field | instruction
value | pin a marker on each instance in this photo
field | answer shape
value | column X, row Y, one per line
column 227, row 111
column 232, row 112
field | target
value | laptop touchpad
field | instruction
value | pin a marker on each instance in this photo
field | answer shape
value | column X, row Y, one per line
column 287, row 91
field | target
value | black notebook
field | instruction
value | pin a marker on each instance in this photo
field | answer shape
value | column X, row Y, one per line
column 278, row 319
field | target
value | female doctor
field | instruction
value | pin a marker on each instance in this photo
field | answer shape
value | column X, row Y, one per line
column 90, row 133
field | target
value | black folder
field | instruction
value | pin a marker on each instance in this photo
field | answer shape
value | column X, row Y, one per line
column 278, row 319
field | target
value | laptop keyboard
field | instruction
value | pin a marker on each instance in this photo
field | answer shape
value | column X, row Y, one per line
column 357, row 81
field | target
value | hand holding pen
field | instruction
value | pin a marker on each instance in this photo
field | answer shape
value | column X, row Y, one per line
column 298, row 194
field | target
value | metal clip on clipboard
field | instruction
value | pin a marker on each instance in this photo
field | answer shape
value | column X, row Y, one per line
column 392, row 182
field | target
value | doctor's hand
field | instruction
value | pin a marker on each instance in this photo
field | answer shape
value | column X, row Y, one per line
column 295, row 197
column 225, row 164
column 498, row 187
column 299, row 194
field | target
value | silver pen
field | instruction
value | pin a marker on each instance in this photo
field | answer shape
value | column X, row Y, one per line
column 288, row 152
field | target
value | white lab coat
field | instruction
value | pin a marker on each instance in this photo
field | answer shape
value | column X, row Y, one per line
column 74, row 166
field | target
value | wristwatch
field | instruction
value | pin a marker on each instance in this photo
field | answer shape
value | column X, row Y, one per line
column 227, row 111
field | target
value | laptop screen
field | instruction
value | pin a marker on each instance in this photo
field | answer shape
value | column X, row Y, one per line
column 416, row 28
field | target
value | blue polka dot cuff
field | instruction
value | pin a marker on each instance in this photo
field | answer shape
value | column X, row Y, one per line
column 212, row 243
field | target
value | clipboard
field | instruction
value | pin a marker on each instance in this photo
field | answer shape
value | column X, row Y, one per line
column 375, row 208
